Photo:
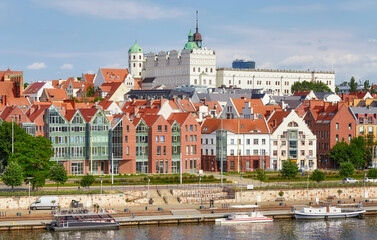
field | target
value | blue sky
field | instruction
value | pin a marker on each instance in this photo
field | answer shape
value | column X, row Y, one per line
column 52, row 39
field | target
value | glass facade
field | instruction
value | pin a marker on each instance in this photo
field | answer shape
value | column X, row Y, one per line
column 221, row 149
column 142, row 147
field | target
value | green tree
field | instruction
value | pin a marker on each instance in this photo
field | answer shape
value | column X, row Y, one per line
column 33, row 155
column 58, row 174
column 317, row 176
column 372, row 173
column 372, row 90
column 261, row 175
column 6, row 139
column 289, row 169
column 26, row 85
column 13, row 175
column 90, row 91
column 87, row 181
column 353, row 85
column 358, row 152
column 307, row 86
column 346, row 169
column 366, row 86
column 339, row 153
column 337, row 90
column 38, row 180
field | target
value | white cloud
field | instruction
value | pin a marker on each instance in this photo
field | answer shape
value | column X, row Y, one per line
column 66, row 66
column 36, row 66
column 113, row 9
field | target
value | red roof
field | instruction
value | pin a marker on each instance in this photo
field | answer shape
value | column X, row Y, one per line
column 36, row 110
column 34, row 88
column 56, row 94
column 241, row 126
column 69, row 114
column 88, row 113
column 89, row 77
column 276, row 119
column 114, row 75
column 179, row 117
column 110, row 88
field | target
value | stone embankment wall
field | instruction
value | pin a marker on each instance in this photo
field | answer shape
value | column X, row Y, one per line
column 129, row 198
column 301, row 194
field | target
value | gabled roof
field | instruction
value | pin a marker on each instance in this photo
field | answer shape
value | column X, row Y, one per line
column 33, row 88
column 114, row 75
column 179, row 117
column 276, row 119
column 89, row 77
column 187, row 105
column 56, row 94
column 110, row 88
column 36, row 110
column 88, row 113
column 241, row 126
column 105, row 104
column 151, row 119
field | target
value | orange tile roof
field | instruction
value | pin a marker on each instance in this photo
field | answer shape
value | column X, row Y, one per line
column 187, row 105
column 56, row 94
column 257, row 105
column 114, row 75
column 110, row 88
column 89, row 77
column 179, row 117
column 88, row 113
column 151, row 119
column 69, row 114
column 276, row 119
column 36, row 110
column 242, row 126
column 105, row 104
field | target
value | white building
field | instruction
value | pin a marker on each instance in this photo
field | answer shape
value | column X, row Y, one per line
column 244, row 145
column 291, row 139
column 279, row 81
column 35, row 89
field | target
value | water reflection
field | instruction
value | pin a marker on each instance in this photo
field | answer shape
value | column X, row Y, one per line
column 280, row 229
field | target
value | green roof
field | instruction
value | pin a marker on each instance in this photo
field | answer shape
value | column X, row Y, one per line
column 190, row 34
column 191, row 45
column 135, row 48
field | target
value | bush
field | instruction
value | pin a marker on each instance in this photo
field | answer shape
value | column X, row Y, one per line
column 38, row 180
column 372, row 173
column 87, row 181
column 346, row 169
column 261, row 175
column 317, row 176
column 289, row 169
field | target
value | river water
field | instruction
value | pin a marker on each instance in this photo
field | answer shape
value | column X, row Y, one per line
column 347, row 229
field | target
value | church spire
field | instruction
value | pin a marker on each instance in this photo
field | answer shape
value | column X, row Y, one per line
column 197, row 35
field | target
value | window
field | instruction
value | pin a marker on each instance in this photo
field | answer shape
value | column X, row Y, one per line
column 310, row 152
column 191, row 128
column 275, row 143
column 164, row 150
column 337, row 137
column 186, row 138
column 158, row 150
column 126, row 139
column 248, row 152
column 232, row 166
column 361, row 130
column 349, row 126
column 159, row 128
column 283, row 153
column 212, row 141
column 232, row 141
column 128, row 151
column 157, row 138
column 275, row 152
column 370, row 120
column 263, row 141
column 166, row 128
column 302, row 152
column 248, row 141
column 349, row 137
column 361, row 120
column 255, row 152
column 370, row 130
column 255, row 141
column 337, row 126
column 310, row 142
column 162, row 139
column 231, row 152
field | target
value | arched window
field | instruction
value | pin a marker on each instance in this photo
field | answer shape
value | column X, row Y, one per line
column 292, row 124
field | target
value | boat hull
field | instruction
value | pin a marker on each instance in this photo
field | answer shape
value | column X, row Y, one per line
column 87, row 227
column 300, row 215
column 243, row 220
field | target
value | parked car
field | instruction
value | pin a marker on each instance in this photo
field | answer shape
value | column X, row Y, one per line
column 45, row 202
column 349, row 180
column 370, row 180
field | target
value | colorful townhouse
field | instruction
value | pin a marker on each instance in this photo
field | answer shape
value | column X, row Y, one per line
column 240, row 144
column 291, row 139
column 331, row 123
column 366, row 121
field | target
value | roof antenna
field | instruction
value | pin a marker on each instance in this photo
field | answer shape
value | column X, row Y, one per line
column 197, row 21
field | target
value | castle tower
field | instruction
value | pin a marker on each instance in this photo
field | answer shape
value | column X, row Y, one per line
column 135, row 60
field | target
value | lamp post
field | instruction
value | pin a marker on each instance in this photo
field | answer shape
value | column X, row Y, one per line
column 200, row 193
column 148, row 188
column 29, row 178
column 13, row 133
column 241, row 187
column 307, row 182
column 221, row 153
column 101, row 192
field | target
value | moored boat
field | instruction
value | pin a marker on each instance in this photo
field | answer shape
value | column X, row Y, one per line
column 328, row 212
column 83, row 221
column 239, row 218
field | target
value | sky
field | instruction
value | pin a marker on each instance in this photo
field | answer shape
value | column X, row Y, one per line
column 57, row 39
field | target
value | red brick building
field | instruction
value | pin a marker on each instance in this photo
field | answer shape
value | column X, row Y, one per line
column 331, row 123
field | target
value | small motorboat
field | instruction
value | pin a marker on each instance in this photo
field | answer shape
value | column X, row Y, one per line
column 328, row 212
column 83, row 221
column 251, row 217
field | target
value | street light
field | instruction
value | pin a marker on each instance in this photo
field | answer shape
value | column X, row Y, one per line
column 241, row 187
column 29, row 178
column 101, row 192
column 148, row 188
column 13, row 133
column 200, row 193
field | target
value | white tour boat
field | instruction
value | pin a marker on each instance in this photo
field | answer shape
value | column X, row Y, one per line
column 252, row 217
column 328, row 212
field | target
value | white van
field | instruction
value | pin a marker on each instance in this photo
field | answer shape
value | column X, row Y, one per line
column 45, row 202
